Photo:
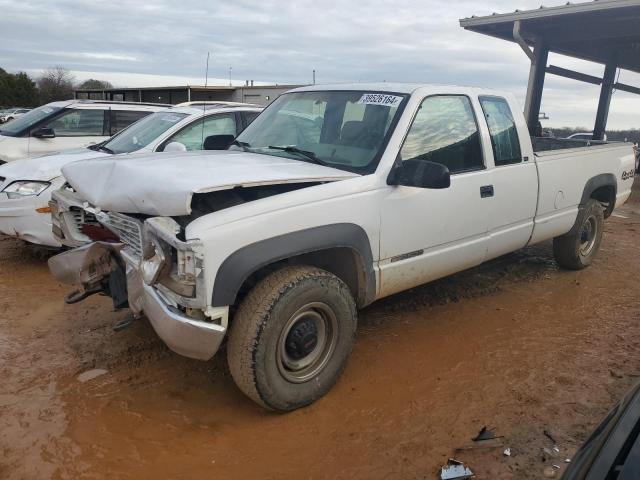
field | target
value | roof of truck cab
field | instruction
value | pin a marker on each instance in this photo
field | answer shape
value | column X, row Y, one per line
column 374, row 87
column 405, row 88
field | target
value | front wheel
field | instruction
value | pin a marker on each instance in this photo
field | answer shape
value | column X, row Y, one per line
column 291, row 337
column 577, row 249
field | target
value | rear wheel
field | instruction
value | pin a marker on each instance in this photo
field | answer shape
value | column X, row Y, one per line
column 291, row 337
column 577, row 249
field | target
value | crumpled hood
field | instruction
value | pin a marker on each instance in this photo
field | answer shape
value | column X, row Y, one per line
column 163, row 184
column 46, row 167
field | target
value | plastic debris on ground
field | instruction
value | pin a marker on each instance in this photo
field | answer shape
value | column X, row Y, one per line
column 91, row 374
column 485, row 434
column 507, row 452
column 549, row 436
column 455, row 470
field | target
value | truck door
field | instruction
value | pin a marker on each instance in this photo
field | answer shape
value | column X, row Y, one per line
column 427, row 234
column 515, row 178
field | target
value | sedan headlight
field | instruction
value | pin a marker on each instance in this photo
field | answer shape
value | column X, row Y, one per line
column 25, row 188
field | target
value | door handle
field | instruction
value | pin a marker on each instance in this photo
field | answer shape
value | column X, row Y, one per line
column 486, row 191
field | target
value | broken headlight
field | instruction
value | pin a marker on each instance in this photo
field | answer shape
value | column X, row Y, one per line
column 167, row 261
column 181, row 277
column 154, row 261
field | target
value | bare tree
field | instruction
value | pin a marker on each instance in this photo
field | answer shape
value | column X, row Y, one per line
column 93, row 84
column 56, row 83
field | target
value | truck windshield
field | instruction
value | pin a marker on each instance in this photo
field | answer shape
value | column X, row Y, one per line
column 143, row 132
column 21, row 123
column 341, row 129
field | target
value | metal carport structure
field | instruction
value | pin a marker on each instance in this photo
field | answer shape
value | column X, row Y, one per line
column 601, row 31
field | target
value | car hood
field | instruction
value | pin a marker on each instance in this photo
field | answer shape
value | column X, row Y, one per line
column 46, row 167
column 163, row 184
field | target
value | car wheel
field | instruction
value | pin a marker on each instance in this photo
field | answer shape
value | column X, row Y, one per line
column 291, row 337
column 577, row 249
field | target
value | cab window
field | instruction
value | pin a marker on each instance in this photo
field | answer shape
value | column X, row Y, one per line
column 193, row 135
column 445, row 131
column 121, row 119
column 502, row 127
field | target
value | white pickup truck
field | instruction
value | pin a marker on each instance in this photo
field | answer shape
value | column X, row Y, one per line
column 332, row 198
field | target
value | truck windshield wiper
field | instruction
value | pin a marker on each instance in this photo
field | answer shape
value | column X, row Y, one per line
column 310, row 155
column 243, row 145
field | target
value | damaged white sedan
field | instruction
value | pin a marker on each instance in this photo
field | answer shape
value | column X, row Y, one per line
column 333, row 198
column 26, row 185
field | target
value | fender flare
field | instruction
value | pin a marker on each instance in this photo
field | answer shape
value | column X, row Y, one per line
column 238, row 266
column 602, row 180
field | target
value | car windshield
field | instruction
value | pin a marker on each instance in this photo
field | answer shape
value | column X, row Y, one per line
column 143, row 132
column 341, row 129
column 25, row 121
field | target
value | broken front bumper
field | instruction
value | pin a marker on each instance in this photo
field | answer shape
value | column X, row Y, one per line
column 182, row 334
column 89, row 264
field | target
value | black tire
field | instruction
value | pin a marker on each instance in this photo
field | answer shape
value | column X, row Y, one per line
column 276, row 323
column 577, row 249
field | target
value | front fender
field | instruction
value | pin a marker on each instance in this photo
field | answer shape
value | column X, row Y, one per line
column 238, row 266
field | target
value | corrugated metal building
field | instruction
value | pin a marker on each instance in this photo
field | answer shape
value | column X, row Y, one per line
column 259, row 95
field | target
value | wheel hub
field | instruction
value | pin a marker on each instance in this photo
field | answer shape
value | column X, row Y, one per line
column 588, row 236
column 302, row 338
column 307, row 342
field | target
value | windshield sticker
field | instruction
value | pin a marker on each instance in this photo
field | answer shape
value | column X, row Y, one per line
column 380, row 99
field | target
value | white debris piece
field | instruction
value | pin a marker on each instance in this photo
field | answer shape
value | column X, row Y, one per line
column 91, row 374
column 507, row 452
column 455, row 470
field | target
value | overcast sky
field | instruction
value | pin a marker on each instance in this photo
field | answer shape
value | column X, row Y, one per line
column 162, row 42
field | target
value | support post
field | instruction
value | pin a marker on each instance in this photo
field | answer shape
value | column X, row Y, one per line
column 536, row 86
column 605, row 100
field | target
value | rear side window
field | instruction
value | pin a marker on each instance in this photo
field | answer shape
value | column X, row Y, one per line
column 78, row 123
column 193, row 135
column 121, row 119
column 445, row 131
column 502, row 127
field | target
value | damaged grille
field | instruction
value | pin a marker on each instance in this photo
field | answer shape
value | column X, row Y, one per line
column 81, row 217
column 129, row 230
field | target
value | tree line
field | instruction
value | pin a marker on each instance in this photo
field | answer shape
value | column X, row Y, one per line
column 55, row 83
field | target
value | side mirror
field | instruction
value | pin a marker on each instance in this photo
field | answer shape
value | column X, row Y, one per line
column 421, row 173
column 218, row 142
column 44, row 132
column 175, row 147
